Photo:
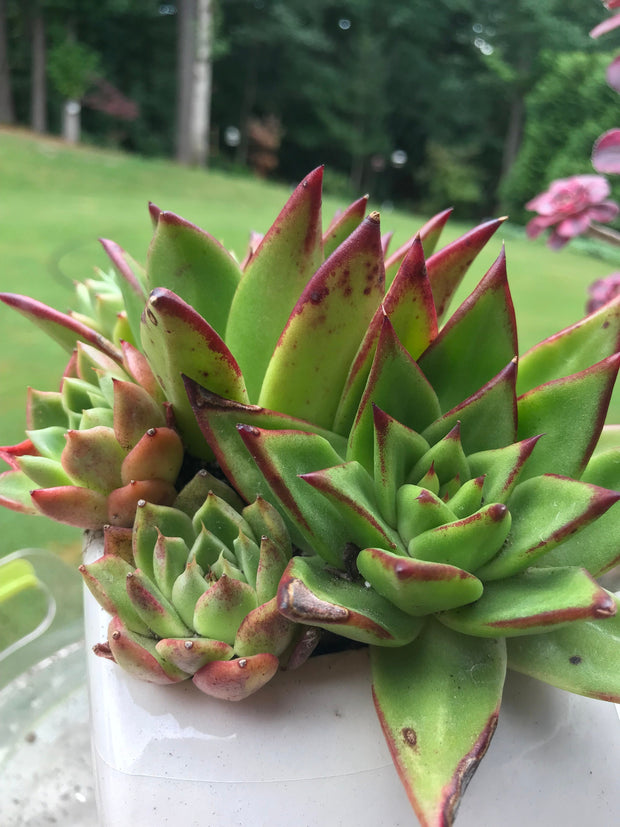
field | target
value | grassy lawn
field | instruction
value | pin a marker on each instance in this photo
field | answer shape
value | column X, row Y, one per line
column 56, row 201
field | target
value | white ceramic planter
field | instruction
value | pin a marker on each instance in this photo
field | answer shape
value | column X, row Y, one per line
column 307, row 750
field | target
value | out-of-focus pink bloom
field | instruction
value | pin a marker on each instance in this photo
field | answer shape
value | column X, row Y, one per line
column 107, row 98
column 606, row 152
column 606, row 26
column 603, row 290
column 569, row 206
column 613, row 73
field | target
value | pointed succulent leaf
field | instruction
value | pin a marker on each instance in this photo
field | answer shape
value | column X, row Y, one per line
column 137, row 366
column 151, row 520
column 191, row 654
column 266, row 521
column 117, row 542
column 351, row 490
column 275, row 277
column 572, row 350
column 15, row 488
column 78, row 394
column 194, row 493
column 135, row 411
column 137, row 655
column 93, row 458
column 59, row 326
column 217, row 516
column 195, row 266
column 235, row 680
column 446, row 457
column 609, row 438
column 92, row 361
column 583, row 658
column 247, row 554
column 281, row 456
column 419, row 510
column 480, row 337
column 468, row 543
column 45, row 409
column 311, row 360
column 271, row 565
column 343, row 224
column 43, row 472
column 223, row 567
column 70, row 504
column 468, row 498
column 177, row 341
column 501, row 467
column 488, row 417
column 398, row 387
column 221, row 609
column 131, row 281
column 443, row 688
column 317, row 595
column 418, row 587
column 429, row 233
column 546, row 510
column 105, row 579
column 169, row 559
column 264, row 629
column 157, row 455
column 570, row 412
column 189, row 586
column 48, row 442
column 594, row 547
column 124, row 501
column 409, row 306
column 532, row 601
column 447, row 267
column 95, row 418
column 208, row 548
column 397, row 450
column 153, row 607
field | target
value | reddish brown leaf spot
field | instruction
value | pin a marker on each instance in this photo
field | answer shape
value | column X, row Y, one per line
column 410, row 737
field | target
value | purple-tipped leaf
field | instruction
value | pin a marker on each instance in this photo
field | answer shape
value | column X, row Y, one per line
column 429, row 233
column 343, row 224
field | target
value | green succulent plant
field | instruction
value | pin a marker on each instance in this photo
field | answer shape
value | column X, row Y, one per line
column 192, row 592
column 450, row 503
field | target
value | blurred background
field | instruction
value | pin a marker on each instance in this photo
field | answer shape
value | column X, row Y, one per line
column 215, row 108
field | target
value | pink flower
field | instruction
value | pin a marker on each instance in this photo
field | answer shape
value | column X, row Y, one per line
column 611, row 22
column 603, row 290
column 569, row 206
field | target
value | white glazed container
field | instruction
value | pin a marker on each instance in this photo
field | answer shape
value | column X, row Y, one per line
column 307, row 750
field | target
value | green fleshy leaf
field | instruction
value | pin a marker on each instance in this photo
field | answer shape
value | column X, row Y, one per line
column 531, row 602
column 189, row 586
column 570, row 413
column 281, row 457
column 93, row 458
column 317, row 595
column 488, row 418
column 137, row 655
column 545, row 511
column 418, row 587
column 105, row 579
column 604, row 469
column 153, row 607
column 289, row 254
column 446, row 457
column 151, row 521
column 468, row 543
column 15, row 488
column 266, row 521
column 419, row 510
column 169, row 559
column 264, row 629
column 595, row 547
column 444, row 689
column 311, row 360
column 397, row 386
column 217, row 516
column 397, row 450
column 583, row 658
column 43, row 472
column 468, row 498
column 191, row 654
column 221, row 609
column 571, row 350
column 343, row 224
column 45, row 409
column 271, row 565
column 49, row 442
column 480, row 337
column 131, row 281
column 177, row 341
column 501, row 468
column 350, row 488
column 195, row 266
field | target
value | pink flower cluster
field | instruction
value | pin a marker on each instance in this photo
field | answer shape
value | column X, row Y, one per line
column 569, row 206
column 603, row 290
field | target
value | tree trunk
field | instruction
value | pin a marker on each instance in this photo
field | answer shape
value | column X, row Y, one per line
column 71, row 121
column 201, row 87
column 186, row 11
column 7, row 113
column 38, row 90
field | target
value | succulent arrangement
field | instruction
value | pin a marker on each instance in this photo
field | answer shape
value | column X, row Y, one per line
column 306, row 444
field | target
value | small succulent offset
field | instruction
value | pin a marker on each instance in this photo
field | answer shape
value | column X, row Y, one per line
column 404, row 482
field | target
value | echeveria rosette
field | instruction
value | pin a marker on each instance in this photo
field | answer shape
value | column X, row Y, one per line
column 95, row 447
column 196, row 596
column 453, row 514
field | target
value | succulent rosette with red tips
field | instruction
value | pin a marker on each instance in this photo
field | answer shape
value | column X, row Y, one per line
column 450, row 503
